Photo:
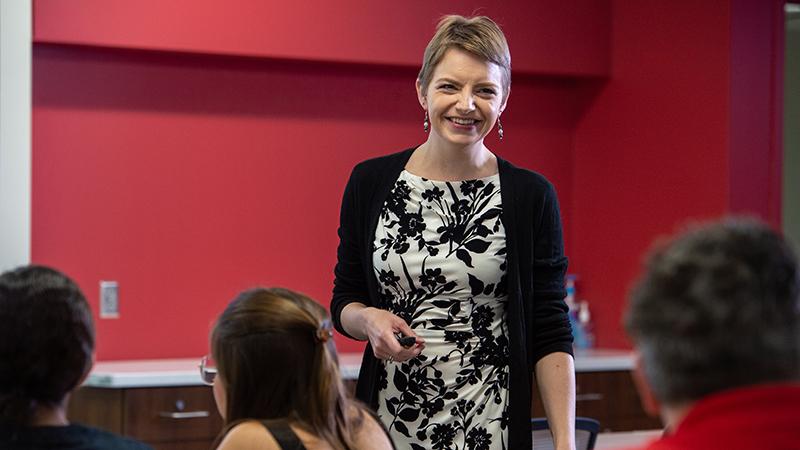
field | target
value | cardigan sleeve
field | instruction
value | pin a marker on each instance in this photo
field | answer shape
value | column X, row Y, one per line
column 349, row 285
column 551, row 329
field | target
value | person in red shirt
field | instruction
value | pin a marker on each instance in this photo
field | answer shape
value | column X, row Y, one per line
column 715, row 320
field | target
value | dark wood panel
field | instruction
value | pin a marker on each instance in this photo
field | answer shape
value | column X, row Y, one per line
column 593, row 395
column 101, row 408
column 609, row 397
column 632, row 423
column 148, row 411
column 183, row 445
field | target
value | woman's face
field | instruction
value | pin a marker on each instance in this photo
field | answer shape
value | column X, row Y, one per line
column 464, row 98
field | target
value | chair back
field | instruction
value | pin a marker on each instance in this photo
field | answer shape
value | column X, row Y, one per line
column 586, row 430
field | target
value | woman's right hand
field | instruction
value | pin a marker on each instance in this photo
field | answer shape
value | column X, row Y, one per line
column 381, row 328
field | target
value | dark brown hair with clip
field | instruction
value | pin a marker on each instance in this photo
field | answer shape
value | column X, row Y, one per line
column 325, row 331
column 276, row 359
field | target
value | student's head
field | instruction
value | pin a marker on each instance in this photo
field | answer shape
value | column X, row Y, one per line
column 479, row 36
column 276, row 359
column 717, row 308
column 46, row 341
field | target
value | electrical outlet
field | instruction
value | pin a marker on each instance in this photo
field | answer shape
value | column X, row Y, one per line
column 109, row 300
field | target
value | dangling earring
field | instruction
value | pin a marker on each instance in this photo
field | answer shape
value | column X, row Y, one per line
column 499, row 128
column 425, row 124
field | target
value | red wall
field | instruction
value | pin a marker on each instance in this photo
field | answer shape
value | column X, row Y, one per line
column 187, row 177
column 545, row 36
column 756, row 108
column 189, row 152
column 681, row 132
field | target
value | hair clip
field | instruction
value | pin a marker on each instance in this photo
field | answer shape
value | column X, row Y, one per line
column 324, row 332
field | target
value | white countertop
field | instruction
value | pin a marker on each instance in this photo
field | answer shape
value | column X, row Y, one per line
column 185, row 372
column 603, row 360
column 145, row 373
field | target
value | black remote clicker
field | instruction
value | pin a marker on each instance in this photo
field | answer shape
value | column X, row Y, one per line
column 406, row 341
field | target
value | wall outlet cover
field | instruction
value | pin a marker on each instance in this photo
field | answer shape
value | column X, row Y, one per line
column 109, row 300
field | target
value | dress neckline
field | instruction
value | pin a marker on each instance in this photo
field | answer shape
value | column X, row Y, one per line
column 408, row 174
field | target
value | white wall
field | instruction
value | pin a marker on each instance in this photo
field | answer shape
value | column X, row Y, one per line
column 15, row 132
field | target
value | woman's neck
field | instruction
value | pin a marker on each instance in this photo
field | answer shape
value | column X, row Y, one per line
column 673, row 415
column 50, row 416
column 449, row 163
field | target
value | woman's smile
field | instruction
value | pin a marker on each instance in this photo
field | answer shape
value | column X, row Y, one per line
column 464, row 99
column 463, row 123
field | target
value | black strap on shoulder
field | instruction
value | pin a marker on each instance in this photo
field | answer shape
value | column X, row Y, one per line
column 283, row 433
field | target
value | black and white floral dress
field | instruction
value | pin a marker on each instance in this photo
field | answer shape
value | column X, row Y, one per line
column 440, row 258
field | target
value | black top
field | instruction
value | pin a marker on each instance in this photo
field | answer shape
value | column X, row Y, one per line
column 70, row 437
column 283, row 433
column 537, row 315
column 289, row 440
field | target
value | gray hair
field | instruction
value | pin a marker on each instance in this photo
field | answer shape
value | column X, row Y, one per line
column 717, row 308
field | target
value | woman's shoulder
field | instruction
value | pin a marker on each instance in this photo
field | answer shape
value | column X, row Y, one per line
column 374, row 166
column 371, row 434
column 527, row 178
column 249, row 434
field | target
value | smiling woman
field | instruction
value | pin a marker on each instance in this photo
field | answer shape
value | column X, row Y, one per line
column 463, row 100
column 460, row 250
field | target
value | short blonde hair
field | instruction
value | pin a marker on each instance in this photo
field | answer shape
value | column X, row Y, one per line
column 479, row 36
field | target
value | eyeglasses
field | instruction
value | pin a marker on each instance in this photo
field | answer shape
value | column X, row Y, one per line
column 208, row 371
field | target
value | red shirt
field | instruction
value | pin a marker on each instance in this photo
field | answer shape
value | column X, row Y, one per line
column 756, row 417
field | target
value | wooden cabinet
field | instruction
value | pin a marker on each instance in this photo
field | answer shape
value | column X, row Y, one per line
column 167, row 418
column 609, row 397
column 162, row 402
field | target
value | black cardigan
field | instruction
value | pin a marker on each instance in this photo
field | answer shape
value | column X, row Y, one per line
column 537, row 315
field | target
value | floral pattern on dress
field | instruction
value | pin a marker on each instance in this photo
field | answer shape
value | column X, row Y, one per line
column 439, row 255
